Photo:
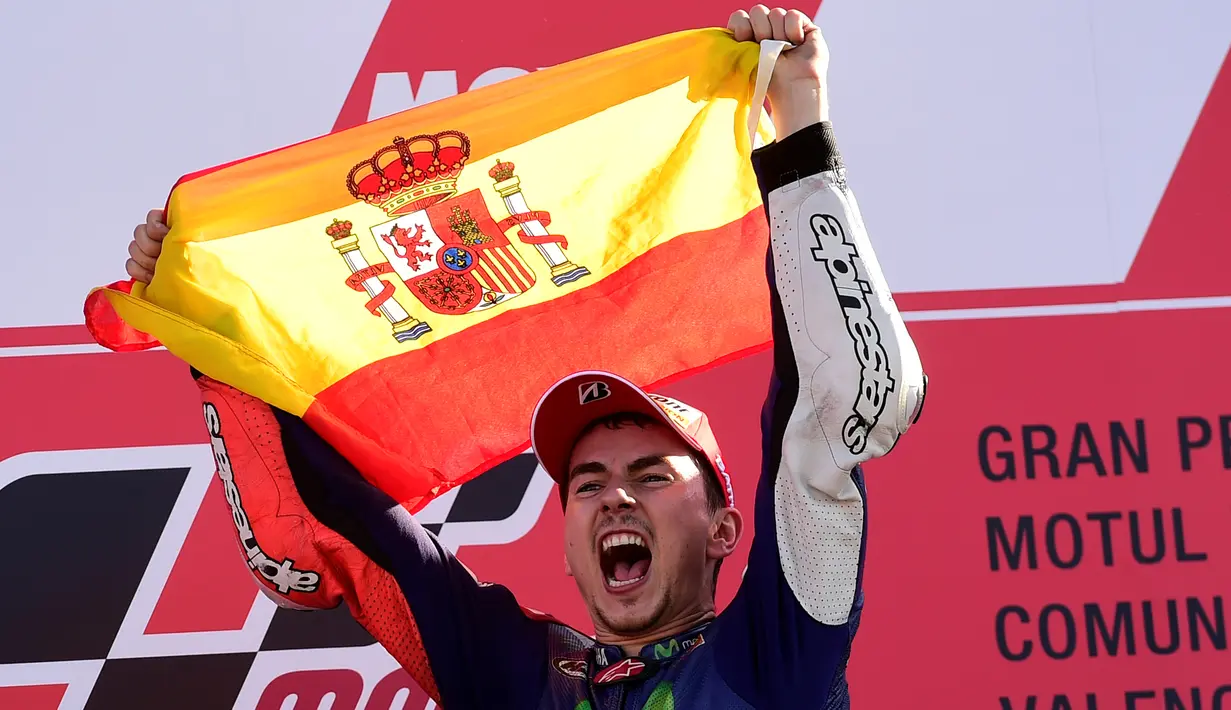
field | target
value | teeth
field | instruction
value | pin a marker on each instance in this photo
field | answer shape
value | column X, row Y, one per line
column 613, row 582
column 622, row 539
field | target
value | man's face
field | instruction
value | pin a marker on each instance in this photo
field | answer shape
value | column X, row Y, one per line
column 636, row 527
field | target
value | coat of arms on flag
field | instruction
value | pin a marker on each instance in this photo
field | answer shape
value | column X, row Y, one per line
column 447, row 249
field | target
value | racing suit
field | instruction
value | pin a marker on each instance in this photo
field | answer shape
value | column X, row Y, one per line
column 846, row 384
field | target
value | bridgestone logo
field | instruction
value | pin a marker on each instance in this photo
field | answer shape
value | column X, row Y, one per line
column 590, row 392
column 844, row 265
column 282, row 574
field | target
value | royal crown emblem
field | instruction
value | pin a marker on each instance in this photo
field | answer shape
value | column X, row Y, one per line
column 447, row 249
column 411, row 174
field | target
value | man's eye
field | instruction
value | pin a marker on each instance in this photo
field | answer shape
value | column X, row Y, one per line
column 654, row 477
column 587, row 487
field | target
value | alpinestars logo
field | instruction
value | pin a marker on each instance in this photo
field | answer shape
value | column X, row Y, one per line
column 282, row 574
column 842, row 261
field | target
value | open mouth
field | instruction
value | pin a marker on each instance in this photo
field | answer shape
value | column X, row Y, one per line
column 624, row 558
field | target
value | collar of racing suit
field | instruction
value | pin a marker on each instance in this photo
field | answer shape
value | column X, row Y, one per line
column 608, row 664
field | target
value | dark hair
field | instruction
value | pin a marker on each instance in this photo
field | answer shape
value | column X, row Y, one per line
column 715, row 497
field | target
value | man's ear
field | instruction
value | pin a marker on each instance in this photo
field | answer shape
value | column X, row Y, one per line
column 725, row 532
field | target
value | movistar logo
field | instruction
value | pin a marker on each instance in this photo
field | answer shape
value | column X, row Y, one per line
column 672, row 647
column 666, row 650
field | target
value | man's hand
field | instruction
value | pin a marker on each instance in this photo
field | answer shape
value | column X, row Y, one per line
column 797, row 91
column 145, row 247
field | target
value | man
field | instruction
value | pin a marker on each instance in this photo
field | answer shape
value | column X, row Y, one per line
column 648, row 508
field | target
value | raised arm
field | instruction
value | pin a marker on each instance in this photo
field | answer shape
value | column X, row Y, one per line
column 847, row 383
column 315, row 534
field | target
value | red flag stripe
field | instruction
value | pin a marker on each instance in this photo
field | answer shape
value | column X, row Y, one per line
column 485, row 279
column 525, row 276
column 507, row 261
column 513, row 357
column 511, row 262
column 493, row 263
column 517, row 268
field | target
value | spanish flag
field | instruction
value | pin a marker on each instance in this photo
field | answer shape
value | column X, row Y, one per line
column 409, row 287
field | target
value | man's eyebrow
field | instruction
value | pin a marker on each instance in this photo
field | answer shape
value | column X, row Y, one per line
column 650, row 461
column 587, row 467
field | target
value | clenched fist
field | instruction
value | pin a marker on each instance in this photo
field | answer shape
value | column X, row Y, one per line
column 145, row 247
column 797, row 92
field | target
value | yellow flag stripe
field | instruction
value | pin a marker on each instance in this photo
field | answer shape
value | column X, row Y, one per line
column 272, row 308
column 290, row 184
column 219, row 357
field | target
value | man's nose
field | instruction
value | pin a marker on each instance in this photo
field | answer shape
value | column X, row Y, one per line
column 616, row 498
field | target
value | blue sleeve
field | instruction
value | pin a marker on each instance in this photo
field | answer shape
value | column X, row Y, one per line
column 482, row 649
column 846, row 384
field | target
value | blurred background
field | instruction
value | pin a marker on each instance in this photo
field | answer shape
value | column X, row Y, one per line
column 1046, row 184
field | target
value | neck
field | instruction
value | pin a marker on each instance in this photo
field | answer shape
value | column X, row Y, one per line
column 633, row 643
